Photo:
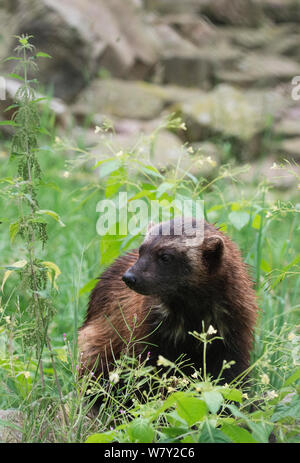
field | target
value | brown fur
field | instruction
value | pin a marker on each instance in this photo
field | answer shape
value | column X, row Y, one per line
column 214, row 288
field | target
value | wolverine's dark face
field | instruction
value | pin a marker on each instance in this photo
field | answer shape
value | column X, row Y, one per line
column 168, row 263
column 160, row 269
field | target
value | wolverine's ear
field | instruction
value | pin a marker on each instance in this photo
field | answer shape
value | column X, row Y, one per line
column 213, row 248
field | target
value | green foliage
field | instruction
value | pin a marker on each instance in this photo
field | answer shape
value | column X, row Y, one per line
column 43, row 380
column 29, row 226
column 23, row 189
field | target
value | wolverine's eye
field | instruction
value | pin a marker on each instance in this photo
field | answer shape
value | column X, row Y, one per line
column 165, row 258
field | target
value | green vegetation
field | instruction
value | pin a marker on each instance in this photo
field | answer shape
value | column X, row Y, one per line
column 50, row 185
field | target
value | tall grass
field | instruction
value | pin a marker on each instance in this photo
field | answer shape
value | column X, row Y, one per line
column 267, row 231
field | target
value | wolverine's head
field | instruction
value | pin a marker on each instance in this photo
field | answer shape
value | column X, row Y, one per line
column 175, row 254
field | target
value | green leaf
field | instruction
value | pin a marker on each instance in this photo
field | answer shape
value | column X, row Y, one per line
column 109, row 250
column 12, row 58
column 41, row 54
column 15, row 266
column 52, row 214
column 150, row 170
column 174, row 431
column 52, row 267
column 163, row 187
column 265, row 266
column 13, row 230
column 256, row 222
column 108, row 167
column 12, row 106
column 237, row 434
column 190, row 408
column 103, row 438
column 213, row 400
column 293, row 378
column 210, row 434
column 44, row 131
column 232, row 394
column 287, row 410
column 114, row 182
column 140, row 431
column 239, row 219
column 260, row 431
column 16, row 76
column 8, row 123
column 87, row 288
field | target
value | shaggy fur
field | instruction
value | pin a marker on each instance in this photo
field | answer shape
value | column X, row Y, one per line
column 170, row 296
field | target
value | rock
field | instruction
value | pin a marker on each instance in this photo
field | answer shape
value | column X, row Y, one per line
column 287, row 45
column 7, row 27
column 287, row 127
column 174, row 6
column 236, row 115
column 172, row 42
column 198, row 69
column 263, row 37
column 197, row 29
column 85, row 37
column 281, row 11
column 237, row 12
column 260, row 70
column 290, row 148
column 289, row 123
column 122, row 112
column 128, row 99
column 12, row 431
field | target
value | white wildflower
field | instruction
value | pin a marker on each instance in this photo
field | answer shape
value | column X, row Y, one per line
column 211, row 161
column 265, row 378
column 272, row 395
column 114, row 377
column 171, row 389
column 211, row 330
column 162, row 361
column 291, row 336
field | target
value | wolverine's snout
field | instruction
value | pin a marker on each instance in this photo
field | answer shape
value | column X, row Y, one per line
column 129, row 279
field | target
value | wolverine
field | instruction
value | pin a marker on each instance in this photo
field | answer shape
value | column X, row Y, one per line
column 187, row 275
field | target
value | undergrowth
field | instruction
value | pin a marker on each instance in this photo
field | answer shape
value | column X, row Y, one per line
column 52, row 255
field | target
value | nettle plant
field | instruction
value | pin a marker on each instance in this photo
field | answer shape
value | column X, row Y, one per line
column 37, row 277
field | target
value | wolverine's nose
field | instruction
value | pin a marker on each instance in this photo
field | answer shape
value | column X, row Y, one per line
column 129, row 279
